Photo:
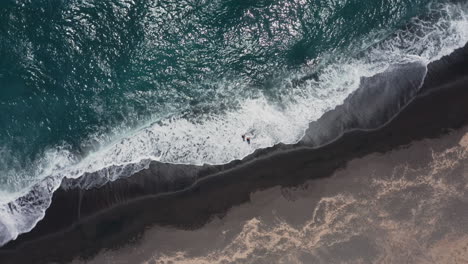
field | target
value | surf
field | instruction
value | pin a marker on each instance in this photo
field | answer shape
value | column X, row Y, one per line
column 213, row 137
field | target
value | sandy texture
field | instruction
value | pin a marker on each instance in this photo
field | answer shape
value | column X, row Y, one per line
column 376, row 210
column 405, row 206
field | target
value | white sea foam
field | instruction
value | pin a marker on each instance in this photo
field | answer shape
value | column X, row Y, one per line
column 215, row 138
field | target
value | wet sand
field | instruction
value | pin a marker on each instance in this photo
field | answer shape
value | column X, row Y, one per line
column 405, row 206
column 81, row 223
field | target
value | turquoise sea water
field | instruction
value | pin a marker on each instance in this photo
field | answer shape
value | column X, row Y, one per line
column 73, row 69
column 88, row 84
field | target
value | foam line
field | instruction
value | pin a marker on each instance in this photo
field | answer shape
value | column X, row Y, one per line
column 215, row 138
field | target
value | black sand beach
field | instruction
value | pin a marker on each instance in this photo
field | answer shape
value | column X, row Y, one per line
column 80, row 223
column 407, row 205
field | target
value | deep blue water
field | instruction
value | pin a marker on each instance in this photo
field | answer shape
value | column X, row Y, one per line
column 71, row 69
column 79, row 75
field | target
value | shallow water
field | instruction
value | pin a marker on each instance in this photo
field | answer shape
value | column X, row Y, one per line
column 105, row 87
column 406, row 205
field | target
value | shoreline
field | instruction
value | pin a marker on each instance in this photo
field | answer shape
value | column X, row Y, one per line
column 187, row 197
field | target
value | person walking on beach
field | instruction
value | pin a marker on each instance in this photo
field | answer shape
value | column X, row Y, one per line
column 244, row 138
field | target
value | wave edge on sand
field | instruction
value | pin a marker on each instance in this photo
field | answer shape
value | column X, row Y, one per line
column 18, row 218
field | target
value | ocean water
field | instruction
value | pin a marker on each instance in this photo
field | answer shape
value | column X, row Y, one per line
column 403, row 206
column 104, row 87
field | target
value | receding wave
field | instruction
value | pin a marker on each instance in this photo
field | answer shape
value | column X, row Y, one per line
column 214, row 136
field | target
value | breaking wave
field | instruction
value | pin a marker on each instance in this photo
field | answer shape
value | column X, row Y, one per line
column 214, row 137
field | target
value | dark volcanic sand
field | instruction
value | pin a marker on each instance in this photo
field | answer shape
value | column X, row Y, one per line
column 81, row 223
column 405, row 206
